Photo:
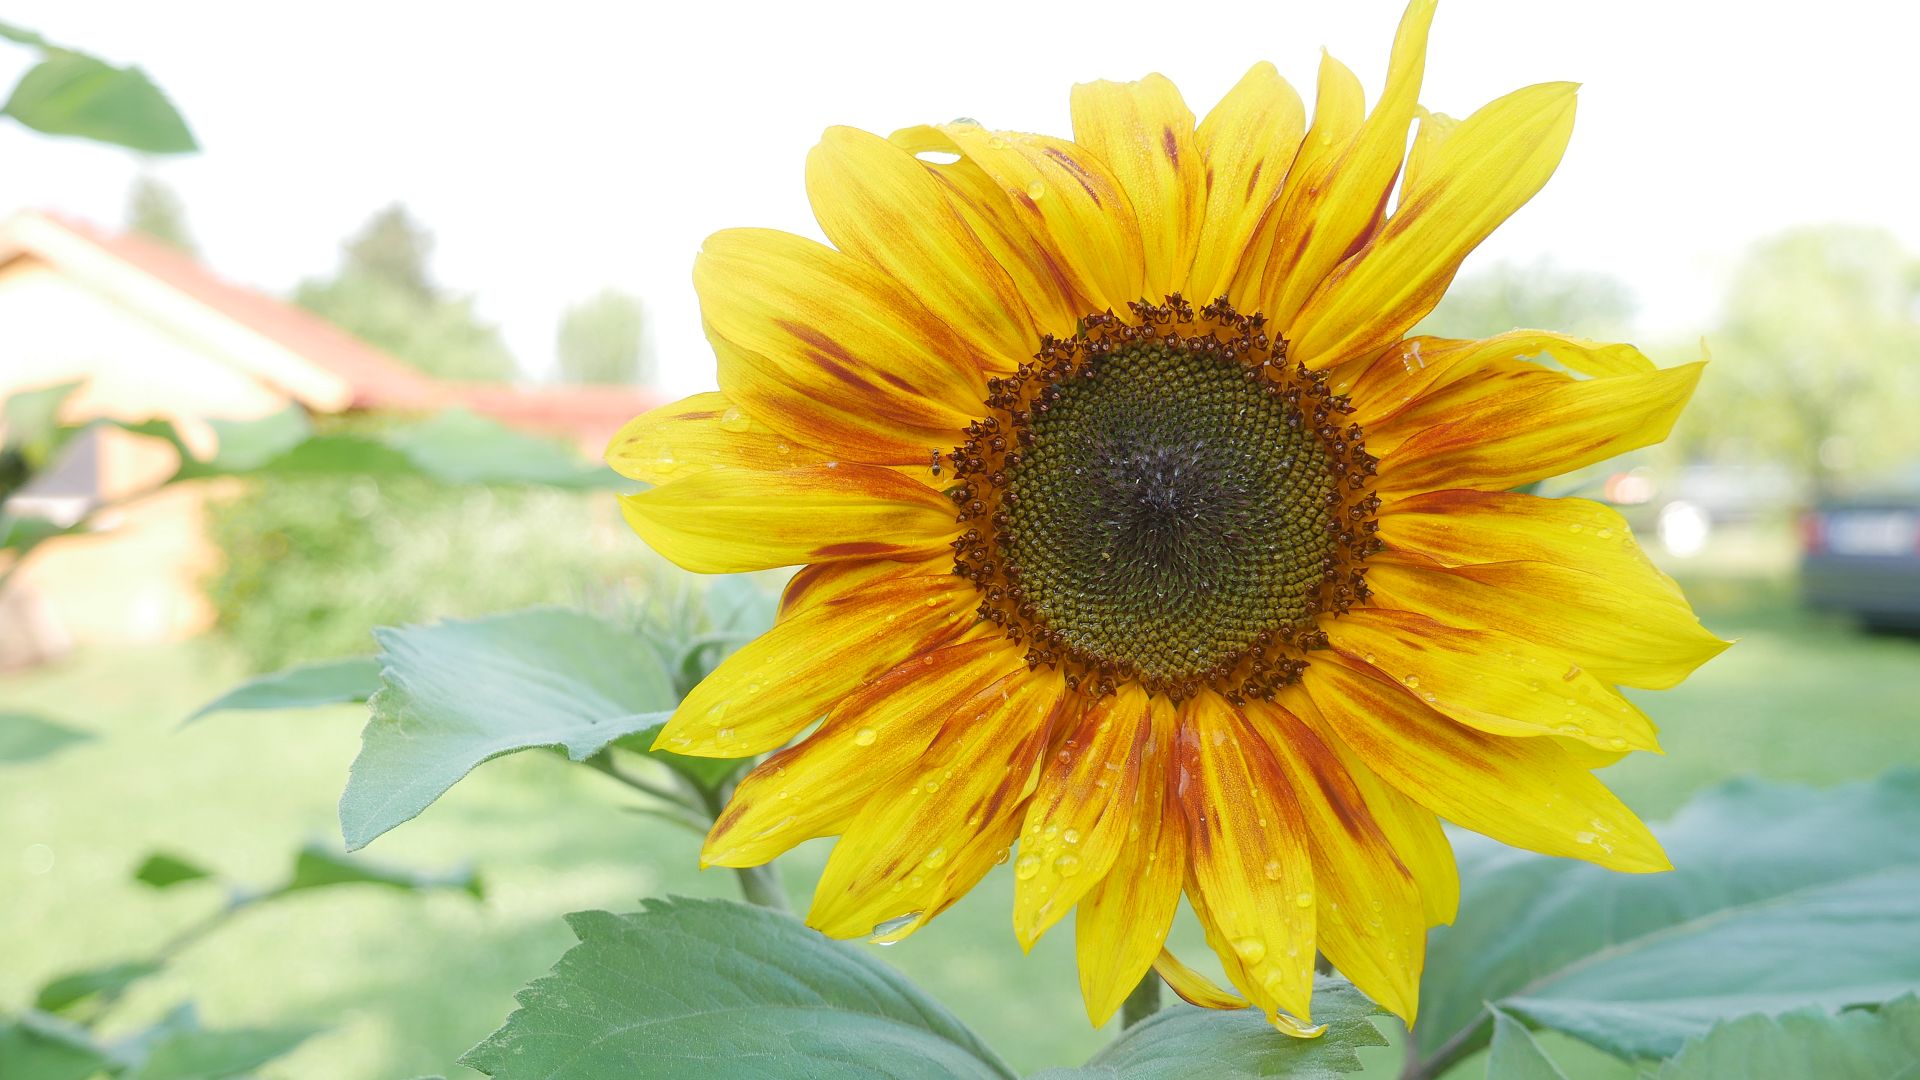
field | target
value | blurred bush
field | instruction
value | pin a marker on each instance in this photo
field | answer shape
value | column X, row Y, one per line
column 311, row 565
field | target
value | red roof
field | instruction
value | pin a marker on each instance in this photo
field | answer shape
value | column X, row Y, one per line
column 588, row 414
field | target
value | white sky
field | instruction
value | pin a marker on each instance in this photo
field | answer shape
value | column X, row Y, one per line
column 556, row 148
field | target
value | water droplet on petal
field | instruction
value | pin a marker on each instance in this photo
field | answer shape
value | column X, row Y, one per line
column 1412, row 681
column 1304, row 900
column 734, row 420
column 1026, row 867
column 1251, row 950
column 865, row 736
column 887, row 933
column 1068, row 864
column 1036, row 189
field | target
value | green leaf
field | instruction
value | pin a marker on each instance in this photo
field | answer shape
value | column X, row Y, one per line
column 71, row 989
column 26, row 737
column 1782, row 897
column 1185, row 1043
column 317, row 867
column 20, row 35
column 216, row 1055
column 40, row 1047
column 326, row 683
column 70, row 93
column 245, row 445
column 455, row 694
column 32, row 417
column 162, row 870
column 460, row 447
column 1858, row 1044
column 723, row 991
column 1516, row 1055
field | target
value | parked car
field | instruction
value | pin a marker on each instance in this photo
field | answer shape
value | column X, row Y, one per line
column 1862, row 556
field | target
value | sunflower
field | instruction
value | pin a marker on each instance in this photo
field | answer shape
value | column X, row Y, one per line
column 1141, row 546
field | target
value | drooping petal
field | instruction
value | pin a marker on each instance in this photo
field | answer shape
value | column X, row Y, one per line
column 877, row 732
column 1501, row 683
column 1385, row 386
column 1248, row 141
column 790, row 676
column 698, row 434
column 1193, row 987
column 1122, row 922
column 1621, row 634
column 736, row 520
column 1536, row 430
column 1412, row 830
column 879, row 203
column 1367, row 914
column 930, row 833
column 1070, row 201
column 1080, row 814
column 1525, row 792
column 1466, row 528
column 1332, row 206
column 1488, row 168
column 1249, row 857
column 821, row 346
column 1037, row 275
column 1143, row 132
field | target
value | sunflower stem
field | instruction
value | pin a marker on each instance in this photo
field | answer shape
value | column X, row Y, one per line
column 1142, row 1003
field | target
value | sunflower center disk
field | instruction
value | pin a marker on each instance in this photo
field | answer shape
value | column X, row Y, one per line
column 1163, row 500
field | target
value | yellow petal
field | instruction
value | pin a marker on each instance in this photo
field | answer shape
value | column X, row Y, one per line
column 1621, row 634
column 877, row 202
column 1036, row 274
column 1434, row 129
column 1383, row 387
column 788, row 677
column 699, row 433
column 1412, row 830
column 1524, row 792
column 815, row 788
column 929, row 834
column 1334, row 205
column 1501, row 683
column 819, row 345
column 1267, row 266
column 822, row 583
column 1193, row 987
column 1367, row 914
column 1143, row 132
column 1070, row 201
column 1080, row 813
column 1122, row 923
column 1466, row 528
column 732, row 521
column 1538, row 429
column 1488, row 168
column 1249, row 859
column 1249, row 141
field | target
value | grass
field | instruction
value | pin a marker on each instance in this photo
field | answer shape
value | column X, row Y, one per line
column 403, row 983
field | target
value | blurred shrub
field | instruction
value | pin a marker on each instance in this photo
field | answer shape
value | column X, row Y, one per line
column 312, row 565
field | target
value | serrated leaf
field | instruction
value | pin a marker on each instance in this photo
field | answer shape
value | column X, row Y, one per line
column 329, row 682
column 162, row 870
column 1858, row 1044
column 71, row 989
column 70, row 93
column 455, row 694
column 317, row 867
column 25, row 737
column 1516, row 1055
column 1186, row 1043
column 723, row 991
column 1782, row 897
column 38, row 1047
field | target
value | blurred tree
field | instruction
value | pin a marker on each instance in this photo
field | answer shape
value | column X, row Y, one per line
column 155, row 211
column 384, row 293
column 600, row 341
column 1537, row 295
column 1817, row 359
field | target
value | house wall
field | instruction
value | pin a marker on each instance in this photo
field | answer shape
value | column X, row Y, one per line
column 138, row 578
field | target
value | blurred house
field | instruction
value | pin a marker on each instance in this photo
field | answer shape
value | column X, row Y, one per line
column 155, row 334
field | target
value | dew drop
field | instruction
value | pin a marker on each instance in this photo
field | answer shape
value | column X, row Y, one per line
column 1036, row 189
column 1002, row 856
column 936, row 858
column 734, row 420
column 1068, row 864
column 1251, row 950
column 1304, row 900
column 883, row 933
column 1026, row 867
column 1071, row 836
column 1272, row 869
column 865, row 736
column 1412, row 681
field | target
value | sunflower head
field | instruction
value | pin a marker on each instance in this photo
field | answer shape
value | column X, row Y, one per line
column 1143, row 548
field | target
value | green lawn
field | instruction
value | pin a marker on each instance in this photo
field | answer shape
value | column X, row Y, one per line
column 404, row 983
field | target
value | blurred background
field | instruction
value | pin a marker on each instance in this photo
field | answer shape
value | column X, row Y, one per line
column 398, row 213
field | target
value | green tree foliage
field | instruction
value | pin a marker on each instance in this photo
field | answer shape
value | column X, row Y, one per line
column 1537, row 295
column 156, row 212
column 1817, row 358
column 384, row 294
column 600, row 341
